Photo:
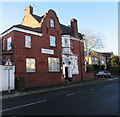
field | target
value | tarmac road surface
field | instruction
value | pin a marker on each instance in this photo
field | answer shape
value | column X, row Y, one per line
column 91, row 99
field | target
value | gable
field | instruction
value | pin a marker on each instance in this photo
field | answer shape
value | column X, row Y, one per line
column 30, row 21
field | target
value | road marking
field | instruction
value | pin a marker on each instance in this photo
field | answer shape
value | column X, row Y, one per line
column 110, row 85
column 70, row 94
column 115, row 78
column 22, row 106
column 111, row 79
column 113, row 85
column 91, row 89
column 80, row 92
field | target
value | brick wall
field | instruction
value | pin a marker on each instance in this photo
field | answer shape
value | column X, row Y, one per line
column 89, row 76
column 42, row 75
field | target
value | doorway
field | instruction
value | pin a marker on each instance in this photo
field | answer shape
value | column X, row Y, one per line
column 66, row 73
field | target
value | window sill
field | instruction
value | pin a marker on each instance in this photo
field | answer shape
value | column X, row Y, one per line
column 53, row 46
column 54, row 71
column 27, row 48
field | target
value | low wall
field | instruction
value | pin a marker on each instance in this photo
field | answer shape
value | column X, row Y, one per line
column 89, row 76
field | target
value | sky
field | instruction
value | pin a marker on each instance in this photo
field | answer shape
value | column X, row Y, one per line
column 99, row 17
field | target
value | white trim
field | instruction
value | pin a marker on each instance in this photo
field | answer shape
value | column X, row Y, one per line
column 21, row 30
column 66, row 36
column 73, row 38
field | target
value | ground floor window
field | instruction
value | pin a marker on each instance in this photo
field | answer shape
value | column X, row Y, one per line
column 53, row 64
column 30, row 65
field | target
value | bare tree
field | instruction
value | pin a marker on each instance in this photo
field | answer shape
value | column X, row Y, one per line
column 93, row 41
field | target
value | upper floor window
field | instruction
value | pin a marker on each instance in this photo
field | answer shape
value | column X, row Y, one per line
column 9, row 43
column 28, row 41
column 52, row 23
column 67, row 42
column 3, row 44
column 52, row 41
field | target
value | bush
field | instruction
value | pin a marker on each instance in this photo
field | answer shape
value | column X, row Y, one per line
column 96, row 67
column 102, row 67
column 89, row 68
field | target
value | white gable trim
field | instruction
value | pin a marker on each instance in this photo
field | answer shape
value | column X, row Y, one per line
column 71, row 37
column 21, row 30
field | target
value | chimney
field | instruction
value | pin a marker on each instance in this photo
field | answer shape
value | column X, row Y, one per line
column 74, row 27
column 29, row 10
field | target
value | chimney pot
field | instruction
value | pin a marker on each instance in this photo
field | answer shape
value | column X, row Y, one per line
column 29, row 10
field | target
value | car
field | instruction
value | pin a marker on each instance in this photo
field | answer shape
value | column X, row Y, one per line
column 104, row 74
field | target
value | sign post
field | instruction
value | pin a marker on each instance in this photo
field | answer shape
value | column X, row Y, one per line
column 9, row 80
column 8, row 66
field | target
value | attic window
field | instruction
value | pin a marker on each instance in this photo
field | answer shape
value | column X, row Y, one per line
column 52, row 23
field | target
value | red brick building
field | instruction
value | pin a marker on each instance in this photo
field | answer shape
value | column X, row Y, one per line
column 43, row 50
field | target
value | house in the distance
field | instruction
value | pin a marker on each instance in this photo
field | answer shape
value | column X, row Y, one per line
column 99, row 58
column 43, row 50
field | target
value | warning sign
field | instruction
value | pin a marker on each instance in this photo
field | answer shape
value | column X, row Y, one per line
column 8, row 63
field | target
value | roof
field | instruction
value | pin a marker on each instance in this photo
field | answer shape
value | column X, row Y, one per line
column 38, row 18
column 39, row 30
column 68, row 30
column 65, row 29
column 105, row 54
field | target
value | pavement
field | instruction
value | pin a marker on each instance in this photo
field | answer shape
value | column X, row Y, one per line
column 33, row 90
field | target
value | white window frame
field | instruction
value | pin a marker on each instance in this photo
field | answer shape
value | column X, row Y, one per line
column 53, row 64
column 103, row 62
column 72, row 44
column 3, row 47
column 75, row 65
column 52, row 23
column 65, row 41
column 30, row 65
column 9, row 42
column 53, row 41
column 27, row 40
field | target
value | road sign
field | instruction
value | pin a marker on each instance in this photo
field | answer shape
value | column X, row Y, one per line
column 8, row 66
column 8, row 62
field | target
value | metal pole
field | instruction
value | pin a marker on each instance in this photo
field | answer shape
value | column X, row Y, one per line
column 9, row 80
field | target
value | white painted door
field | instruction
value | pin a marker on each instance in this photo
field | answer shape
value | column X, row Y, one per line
column 4, row 79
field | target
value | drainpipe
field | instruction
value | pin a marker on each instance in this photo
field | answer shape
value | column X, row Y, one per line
column 80, row 63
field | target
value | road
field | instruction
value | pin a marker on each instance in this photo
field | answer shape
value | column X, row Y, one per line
column 91, row 99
